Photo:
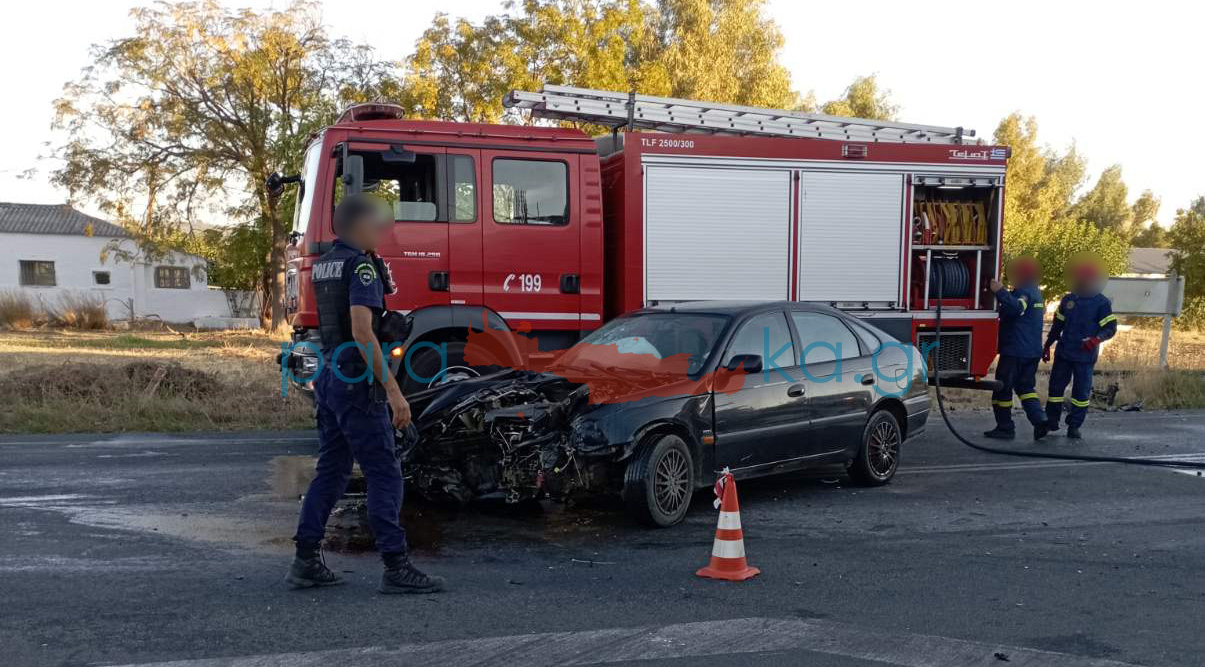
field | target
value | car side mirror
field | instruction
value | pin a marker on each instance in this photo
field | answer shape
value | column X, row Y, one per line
column 750, row 363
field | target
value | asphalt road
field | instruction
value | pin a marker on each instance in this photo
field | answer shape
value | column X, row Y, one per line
column 133, row 549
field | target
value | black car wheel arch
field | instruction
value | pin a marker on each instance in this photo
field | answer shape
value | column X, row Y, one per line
column 660, row 480
column 878, row 455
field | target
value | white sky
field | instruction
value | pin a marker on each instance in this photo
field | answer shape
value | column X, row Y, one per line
column 1121, row 79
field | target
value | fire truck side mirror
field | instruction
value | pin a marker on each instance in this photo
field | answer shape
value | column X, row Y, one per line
column 353, row 174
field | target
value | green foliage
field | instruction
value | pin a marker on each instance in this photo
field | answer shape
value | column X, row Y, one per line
column 1057, row 241
column 1041, row 216
column 863, row 99
column 1151, row 236
column 720, row 50
column 1187, row 237
column 1105, row 204
column 193, row 112
column 1144, row 210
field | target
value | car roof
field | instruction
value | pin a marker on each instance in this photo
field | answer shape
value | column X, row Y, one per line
column 735, row 308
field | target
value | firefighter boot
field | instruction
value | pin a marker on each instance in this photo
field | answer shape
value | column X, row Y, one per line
column 1000, row 434
column 402, row 577
column 1073, row 433
column 309, row 569
column 1040, row 430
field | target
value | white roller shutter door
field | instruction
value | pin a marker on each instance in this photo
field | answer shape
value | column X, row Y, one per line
column 849, row 237
column 716, row 233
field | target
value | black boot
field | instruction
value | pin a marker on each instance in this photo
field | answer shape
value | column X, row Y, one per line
column 1073, row 433
column 1000, row 434
column 402, row 577
column 1040, row 430
column 1052, row 426
column 309, row 569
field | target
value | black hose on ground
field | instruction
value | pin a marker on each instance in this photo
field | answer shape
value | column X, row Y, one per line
column 1168, row 463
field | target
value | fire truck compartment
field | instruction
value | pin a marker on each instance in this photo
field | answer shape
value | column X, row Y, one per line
column 715, row 233
column 859, row 213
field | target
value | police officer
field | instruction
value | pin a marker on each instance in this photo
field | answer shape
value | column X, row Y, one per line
column 1020, row 346
column 1084, row 319
column 359, row 402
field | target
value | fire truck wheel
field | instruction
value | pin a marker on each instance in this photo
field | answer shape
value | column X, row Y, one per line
column 879, row 456
column 659, row 481
column 427, row 370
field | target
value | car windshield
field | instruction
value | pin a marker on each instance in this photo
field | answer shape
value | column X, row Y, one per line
column 638, row 342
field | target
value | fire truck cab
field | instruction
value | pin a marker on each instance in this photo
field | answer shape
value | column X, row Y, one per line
column 546, row 231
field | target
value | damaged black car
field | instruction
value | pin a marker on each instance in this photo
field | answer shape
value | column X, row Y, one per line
column 654, row 404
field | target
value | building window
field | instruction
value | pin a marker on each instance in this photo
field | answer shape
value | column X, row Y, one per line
column 531, row 192
column 37, row 274
column 172, row 277
column 100, row 277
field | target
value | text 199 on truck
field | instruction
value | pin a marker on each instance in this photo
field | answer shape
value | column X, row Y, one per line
column 548, row 231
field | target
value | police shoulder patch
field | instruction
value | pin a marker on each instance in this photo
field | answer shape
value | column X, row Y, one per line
column 366, row 272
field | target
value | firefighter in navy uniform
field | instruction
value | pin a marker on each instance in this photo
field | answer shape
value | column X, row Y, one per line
column 1083, row 320
column 1020, row 346
column 359, row 403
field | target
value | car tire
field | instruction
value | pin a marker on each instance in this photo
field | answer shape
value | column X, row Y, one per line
column 425, row 368
column 878, row 456
column 659, row 482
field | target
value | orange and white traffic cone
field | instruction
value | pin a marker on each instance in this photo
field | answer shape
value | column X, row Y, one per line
column 728, row 550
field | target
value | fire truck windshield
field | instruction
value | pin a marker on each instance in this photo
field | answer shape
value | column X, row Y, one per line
column 309, row 185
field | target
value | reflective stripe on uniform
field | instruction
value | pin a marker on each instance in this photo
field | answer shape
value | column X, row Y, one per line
column 1024, row 304
column 728, row 549
column 1003, row 404
column 1080, row 404
column 1026, row 397
column 1059, row 315
column 730, row 521
column 1107, row 319
column 1055, row 399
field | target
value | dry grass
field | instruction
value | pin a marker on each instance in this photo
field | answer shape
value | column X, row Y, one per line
column 1131, row 361
column 17, row 310
column 79, row 311
column 85, row 381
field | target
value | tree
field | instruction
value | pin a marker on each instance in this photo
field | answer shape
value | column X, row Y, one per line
column 196, row 109
column 1105, row 205
column 1055, row 243
column 1187, row 237
column 1039, row 214
column 1041, row 182
column 1144, row 210
column 1151, row 236
column 720, row 50
column 863, row 99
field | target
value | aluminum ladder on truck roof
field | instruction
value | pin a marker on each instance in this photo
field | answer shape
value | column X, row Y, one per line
column 667, row 114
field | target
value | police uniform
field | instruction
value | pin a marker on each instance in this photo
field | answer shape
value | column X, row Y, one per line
column 1020, row 345
column 354, row 422
column 1077, row 319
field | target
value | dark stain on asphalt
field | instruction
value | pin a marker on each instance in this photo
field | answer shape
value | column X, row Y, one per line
column 1077, row 643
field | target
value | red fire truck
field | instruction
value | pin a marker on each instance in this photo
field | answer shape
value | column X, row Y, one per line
column 550, row 232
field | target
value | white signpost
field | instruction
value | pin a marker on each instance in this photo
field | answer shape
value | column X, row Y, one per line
column 1149, row 297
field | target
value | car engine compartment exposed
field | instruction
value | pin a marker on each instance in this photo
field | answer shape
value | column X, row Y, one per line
column 515, row 438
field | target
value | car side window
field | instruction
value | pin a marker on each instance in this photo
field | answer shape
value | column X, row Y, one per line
column 764, row 335
column 824, row 338
column 872, row 341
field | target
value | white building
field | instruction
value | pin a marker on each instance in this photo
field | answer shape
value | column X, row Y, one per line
column 49, row 250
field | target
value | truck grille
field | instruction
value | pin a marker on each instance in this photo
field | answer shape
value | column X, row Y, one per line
column 953, row 354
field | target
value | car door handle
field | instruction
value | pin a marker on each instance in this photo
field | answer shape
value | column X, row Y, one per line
column 868, row 379
column 795, row 391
